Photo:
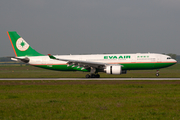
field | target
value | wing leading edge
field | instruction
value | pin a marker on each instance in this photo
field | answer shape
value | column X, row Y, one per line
column 80, row 63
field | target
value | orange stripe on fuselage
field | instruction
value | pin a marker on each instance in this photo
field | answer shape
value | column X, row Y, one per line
column 11, row 43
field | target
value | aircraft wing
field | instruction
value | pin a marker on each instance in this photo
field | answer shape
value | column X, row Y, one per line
column 80, row 63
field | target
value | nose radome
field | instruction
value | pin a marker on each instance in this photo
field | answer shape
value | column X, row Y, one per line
column 175, row 61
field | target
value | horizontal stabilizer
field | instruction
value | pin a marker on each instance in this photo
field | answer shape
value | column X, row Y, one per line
column 25, row 60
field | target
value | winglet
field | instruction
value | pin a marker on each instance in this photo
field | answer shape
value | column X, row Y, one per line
column 51, row 56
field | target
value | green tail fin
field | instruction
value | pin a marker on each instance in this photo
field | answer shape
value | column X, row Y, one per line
column 20, row 46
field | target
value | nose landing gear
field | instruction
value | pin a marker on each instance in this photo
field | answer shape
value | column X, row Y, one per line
column 157, row 73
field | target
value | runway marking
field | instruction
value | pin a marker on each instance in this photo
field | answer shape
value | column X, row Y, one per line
column 89, row 78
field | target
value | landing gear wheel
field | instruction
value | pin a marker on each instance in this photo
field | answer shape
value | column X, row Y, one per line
column 97, row 76
column 93, row 75
column 88, row 76
column 157, row 74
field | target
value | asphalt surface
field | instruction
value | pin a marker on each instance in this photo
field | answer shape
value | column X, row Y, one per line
column 89, row 78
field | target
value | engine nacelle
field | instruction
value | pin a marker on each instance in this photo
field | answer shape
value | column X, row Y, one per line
column 114, row 69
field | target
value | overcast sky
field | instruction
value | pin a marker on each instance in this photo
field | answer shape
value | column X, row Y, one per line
column 92, row 26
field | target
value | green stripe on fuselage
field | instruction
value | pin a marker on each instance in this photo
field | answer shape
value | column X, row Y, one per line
column 145, row 66
column 125, row 66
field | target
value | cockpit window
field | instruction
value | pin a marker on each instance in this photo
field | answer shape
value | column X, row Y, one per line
column 169, row 58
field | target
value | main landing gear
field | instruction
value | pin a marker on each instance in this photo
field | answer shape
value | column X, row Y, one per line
column 93, row 73
column 93, row 76
column 157, row 73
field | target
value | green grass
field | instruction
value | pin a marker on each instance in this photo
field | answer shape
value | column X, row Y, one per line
column 106, row 100
column 34, row 72
column 133, row 100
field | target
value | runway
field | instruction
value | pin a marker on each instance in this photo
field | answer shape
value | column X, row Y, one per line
column 89, row 78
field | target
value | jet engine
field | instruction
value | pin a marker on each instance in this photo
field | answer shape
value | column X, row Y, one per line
column 113, row 69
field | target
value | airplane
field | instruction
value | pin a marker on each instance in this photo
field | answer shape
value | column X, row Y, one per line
column 109, row 63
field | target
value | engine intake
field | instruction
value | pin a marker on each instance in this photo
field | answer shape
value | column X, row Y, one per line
column 113, row 69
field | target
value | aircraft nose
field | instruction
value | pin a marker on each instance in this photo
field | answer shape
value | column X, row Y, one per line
column 175, row 61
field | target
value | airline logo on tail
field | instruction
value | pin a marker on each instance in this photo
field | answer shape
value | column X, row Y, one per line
column 21, row 44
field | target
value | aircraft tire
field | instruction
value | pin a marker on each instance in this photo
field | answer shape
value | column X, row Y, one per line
column 88, row 76
column 157, row 74
column 93, row 76
column 97, row 76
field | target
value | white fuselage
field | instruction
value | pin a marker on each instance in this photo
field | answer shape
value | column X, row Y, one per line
column 105, row 58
